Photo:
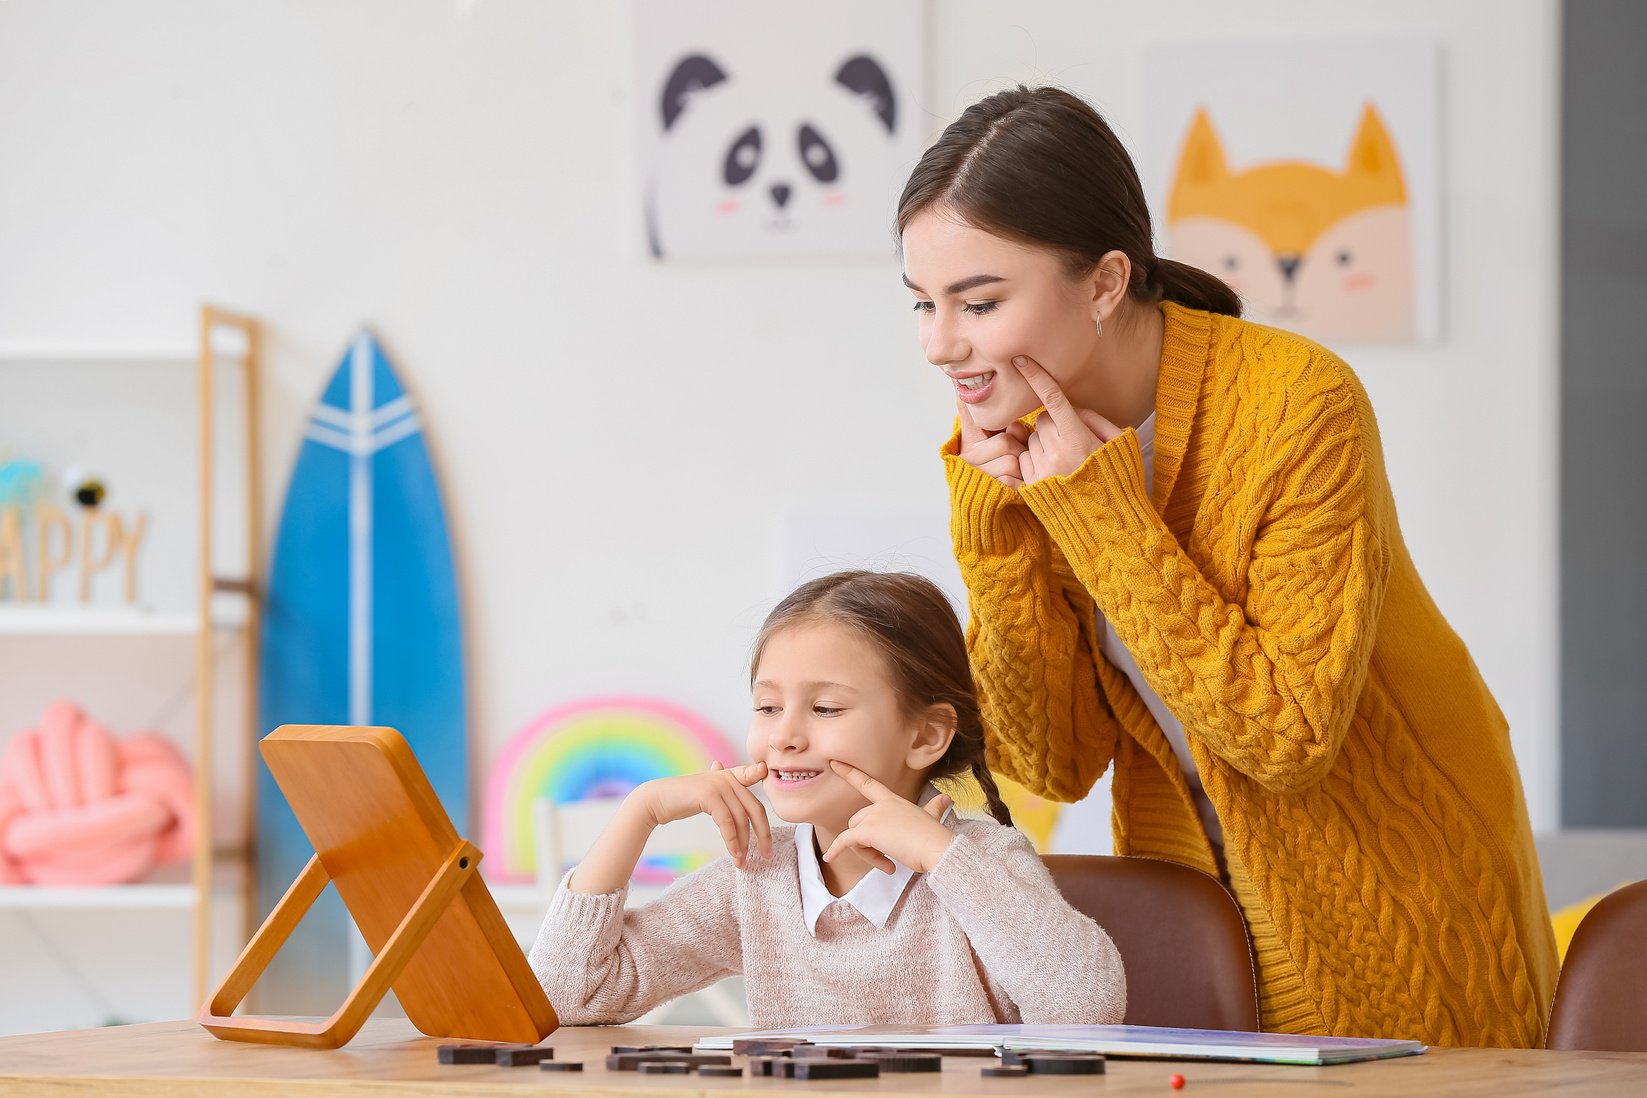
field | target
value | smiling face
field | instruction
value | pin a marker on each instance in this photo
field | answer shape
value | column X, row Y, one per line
column 982, row 299
column 821, row 693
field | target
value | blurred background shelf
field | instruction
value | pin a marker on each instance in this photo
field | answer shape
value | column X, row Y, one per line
column 148, row 949
column 168, row 889
column 22, row 620
column 146, row 897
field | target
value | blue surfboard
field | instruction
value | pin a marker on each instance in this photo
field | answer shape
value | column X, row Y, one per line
column 361, row 626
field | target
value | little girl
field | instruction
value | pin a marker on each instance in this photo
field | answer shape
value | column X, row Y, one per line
column 881, row 906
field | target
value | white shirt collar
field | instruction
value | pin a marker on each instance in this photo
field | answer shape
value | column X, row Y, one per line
column 1146, row 446
column 873, row 897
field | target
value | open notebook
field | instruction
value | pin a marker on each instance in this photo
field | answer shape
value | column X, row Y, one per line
column 1151, row 1042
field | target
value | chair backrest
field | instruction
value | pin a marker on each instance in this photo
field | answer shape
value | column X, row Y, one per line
column 1601, row 995
column 563, row 834
column 1182, row 939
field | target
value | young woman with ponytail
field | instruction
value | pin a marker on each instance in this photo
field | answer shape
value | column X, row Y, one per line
column 882, row 906
column 1183, row 562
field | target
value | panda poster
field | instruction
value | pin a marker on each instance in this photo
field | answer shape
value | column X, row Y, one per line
column 776, row 129
column 1305, row 173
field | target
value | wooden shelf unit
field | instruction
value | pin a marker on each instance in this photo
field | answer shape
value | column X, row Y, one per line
column 226, row 602
column 214, row 321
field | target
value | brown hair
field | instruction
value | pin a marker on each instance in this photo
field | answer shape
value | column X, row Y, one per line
column 1040, row 166
column 910, row 622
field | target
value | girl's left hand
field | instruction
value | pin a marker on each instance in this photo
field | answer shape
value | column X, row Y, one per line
column 892, row 827
column 1065, row 436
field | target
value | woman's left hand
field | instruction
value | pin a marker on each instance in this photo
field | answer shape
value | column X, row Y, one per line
column 891, row 826
column 1065, row 436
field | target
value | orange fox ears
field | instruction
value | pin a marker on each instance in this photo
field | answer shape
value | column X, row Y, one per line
column 1201, row 165
column 1372, row 153
column 1202, row 159
column 1373, row 156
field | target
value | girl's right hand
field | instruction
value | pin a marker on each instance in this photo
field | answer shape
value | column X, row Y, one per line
column 724, row 795
column 997, row 453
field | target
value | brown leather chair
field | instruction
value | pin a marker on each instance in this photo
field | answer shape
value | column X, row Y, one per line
column 1601, row 995
column 1182, row 939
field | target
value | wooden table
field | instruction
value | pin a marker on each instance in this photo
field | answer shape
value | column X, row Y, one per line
column 389, row 1058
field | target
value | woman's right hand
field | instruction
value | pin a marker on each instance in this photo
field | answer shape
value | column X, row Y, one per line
column 724, row 795
column 996, row 453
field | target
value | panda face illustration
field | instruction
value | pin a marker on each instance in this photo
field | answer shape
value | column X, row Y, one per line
column 742, row 173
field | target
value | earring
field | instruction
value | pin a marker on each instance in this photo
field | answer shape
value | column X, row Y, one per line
column 1099, row 323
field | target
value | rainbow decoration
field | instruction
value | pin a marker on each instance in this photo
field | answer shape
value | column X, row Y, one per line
column 598, row 747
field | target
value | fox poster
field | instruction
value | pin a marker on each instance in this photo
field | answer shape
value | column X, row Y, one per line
column 1305, row 174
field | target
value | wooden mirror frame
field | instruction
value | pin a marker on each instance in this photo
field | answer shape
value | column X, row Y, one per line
column 410, row 883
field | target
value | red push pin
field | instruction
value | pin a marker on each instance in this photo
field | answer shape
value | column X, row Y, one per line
column 1177, row 1082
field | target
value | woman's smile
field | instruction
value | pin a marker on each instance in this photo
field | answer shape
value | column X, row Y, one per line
column 974, row 388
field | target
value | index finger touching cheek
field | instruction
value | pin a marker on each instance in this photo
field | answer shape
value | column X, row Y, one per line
column 1046, row 388
column 865, row 784
column 971, row 433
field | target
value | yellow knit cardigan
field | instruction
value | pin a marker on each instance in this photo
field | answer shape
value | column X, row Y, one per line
column 1373, row 816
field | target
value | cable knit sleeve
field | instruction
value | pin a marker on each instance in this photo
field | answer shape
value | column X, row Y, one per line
column 1030, row 635
column 1056, row 965
column 1267, row 677
column 603, row 964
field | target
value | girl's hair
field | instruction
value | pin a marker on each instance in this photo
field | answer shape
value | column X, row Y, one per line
column 914, row 628
column 1040, row 166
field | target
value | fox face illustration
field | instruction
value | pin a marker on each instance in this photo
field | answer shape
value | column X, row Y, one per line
column 1307, row 247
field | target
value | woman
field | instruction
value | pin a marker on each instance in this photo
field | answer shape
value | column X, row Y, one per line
column 1188, row 565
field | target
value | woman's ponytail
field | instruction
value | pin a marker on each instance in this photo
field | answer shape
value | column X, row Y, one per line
column 1194, row 288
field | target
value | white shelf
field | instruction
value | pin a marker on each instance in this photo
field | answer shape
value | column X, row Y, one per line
column 26, row 619
column 76, row 354
column 226, row 344
column 167, row 888
column 131, row 897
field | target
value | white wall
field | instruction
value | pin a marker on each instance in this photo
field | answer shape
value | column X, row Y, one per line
column 620, row 441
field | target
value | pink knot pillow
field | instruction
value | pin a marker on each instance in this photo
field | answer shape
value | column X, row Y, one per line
column 77, row 807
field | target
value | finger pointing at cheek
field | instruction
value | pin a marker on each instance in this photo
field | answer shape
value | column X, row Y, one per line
column 1047, row 390
column 971, row 433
